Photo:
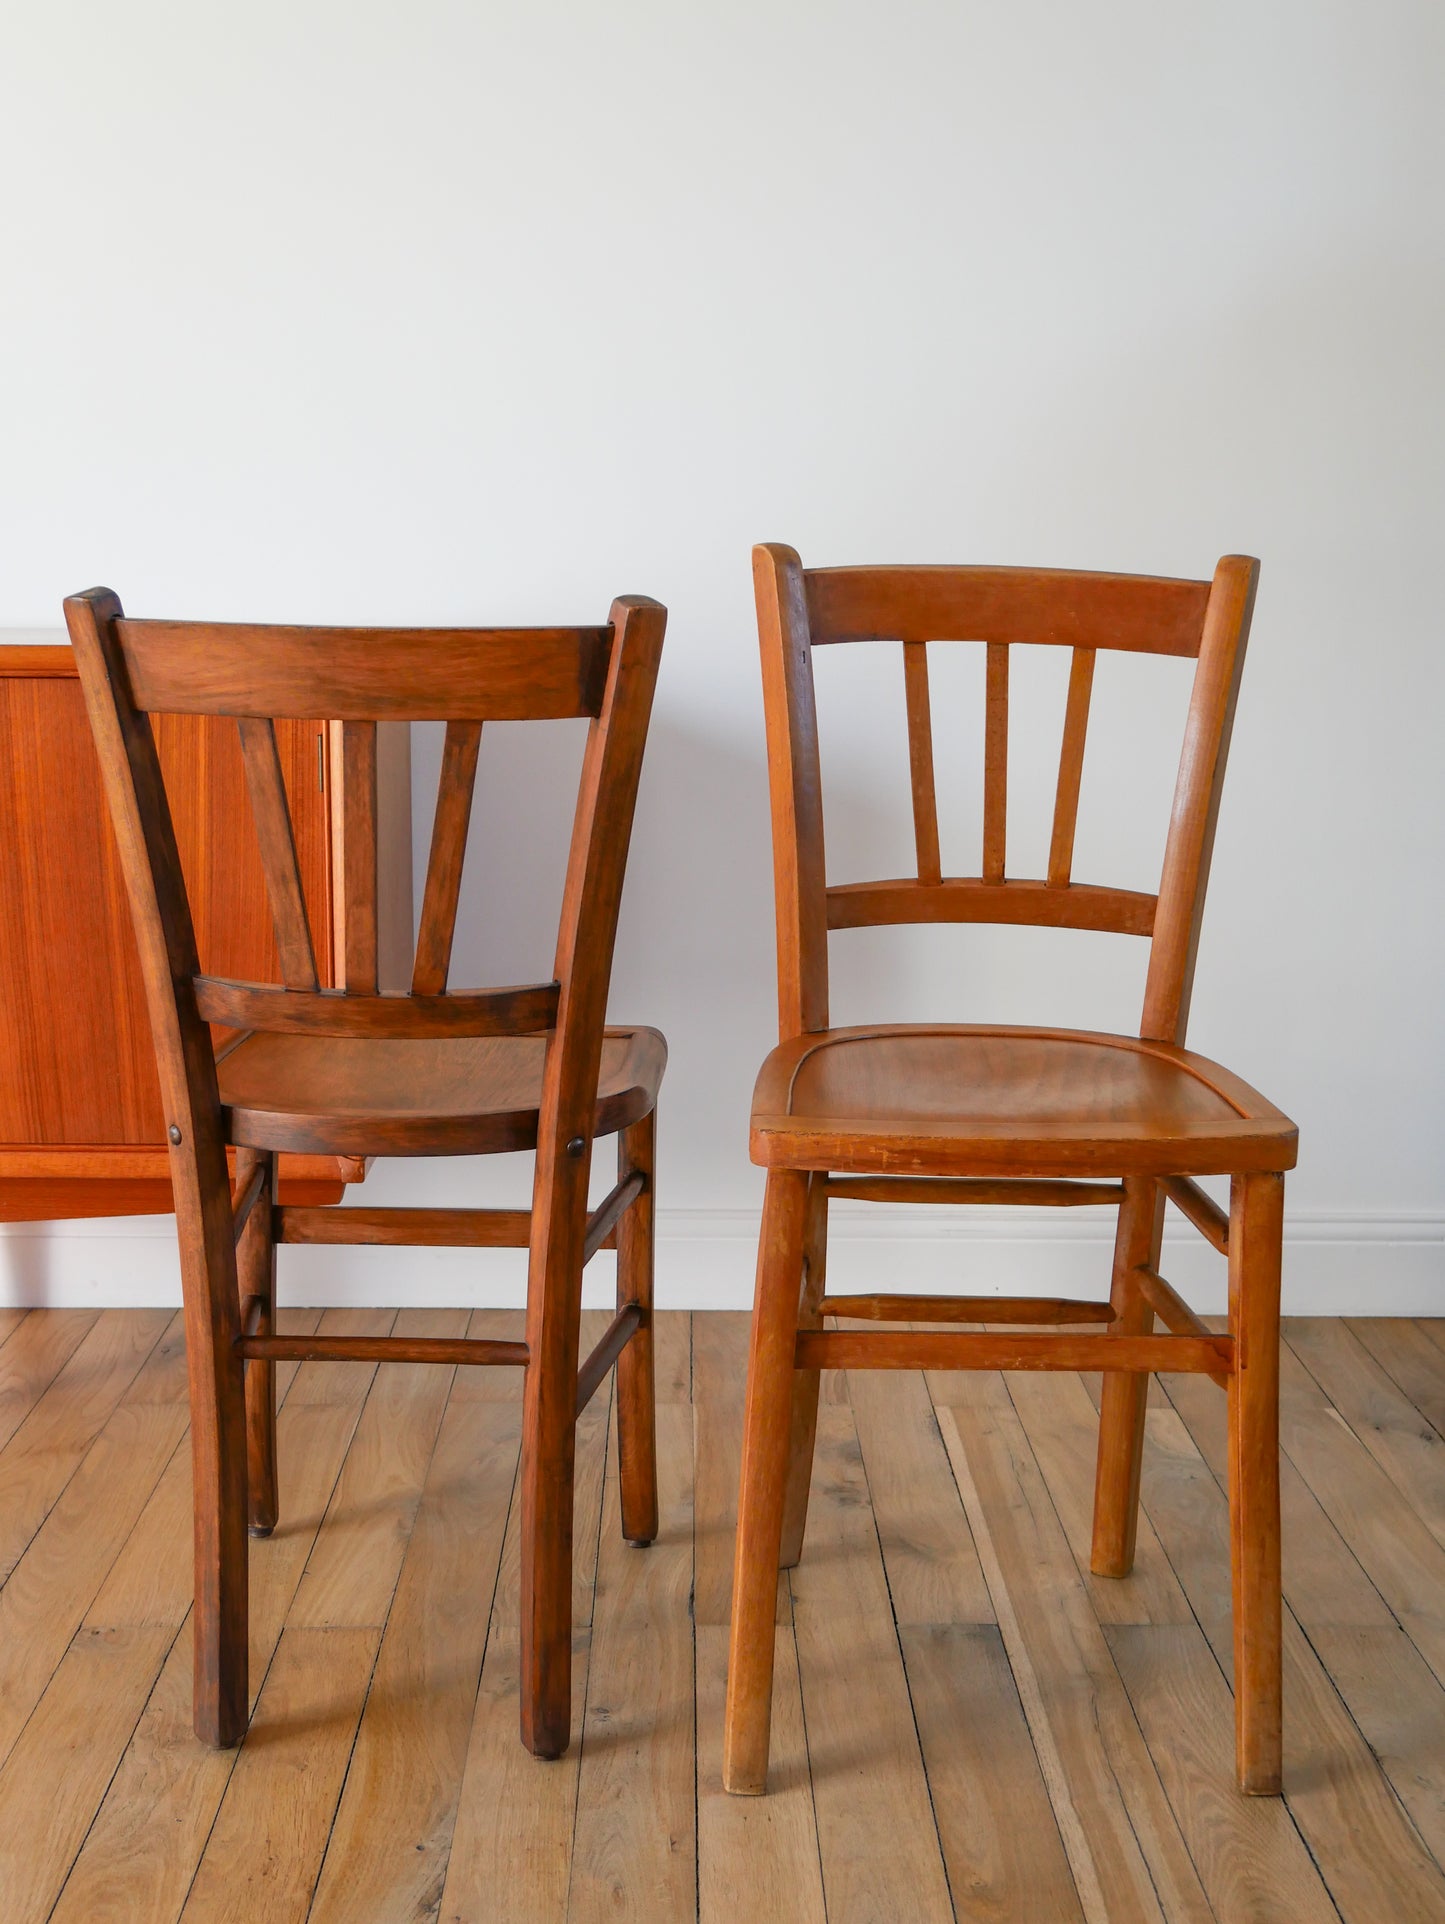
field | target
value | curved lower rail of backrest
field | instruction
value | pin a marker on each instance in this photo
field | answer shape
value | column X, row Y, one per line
column 528, row 1010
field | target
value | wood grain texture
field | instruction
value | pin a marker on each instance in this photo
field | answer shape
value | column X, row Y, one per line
column 1093, row 1703
column 1071, row 768
column 756, row 1857
column 1120, row 1834
column 634, row 1849
column 50, row 1446
column 265, row 1849
column 76, row 1064
column 995, row 763
column 1001, row 1844
column 1055, row 607
column 515, row 1823
column 443, row 887
column 365, row 674
column 969, row 1100
column 388, row 1850
column 351, row 1066
column 271, row 813
column 968, row 898
column 920, row 761
column 877, row 1840
column 1366, row 1848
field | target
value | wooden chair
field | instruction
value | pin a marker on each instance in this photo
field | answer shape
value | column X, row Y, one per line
column 355, row 1071
column 1007, row 1115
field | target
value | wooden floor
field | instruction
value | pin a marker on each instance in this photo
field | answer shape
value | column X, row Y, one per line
column 967, row 1724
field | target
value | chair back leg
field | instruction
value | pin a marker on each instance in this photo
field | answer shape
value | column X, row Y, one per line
column 806, row 1382
column 767, row 1434
column 636, row 1395
column 256, row 1283
column 1125, row 1392
column 1255, row 1236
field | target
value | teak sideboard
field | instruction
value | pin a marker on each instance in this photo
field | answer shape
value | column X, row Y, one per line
column 81, row 1132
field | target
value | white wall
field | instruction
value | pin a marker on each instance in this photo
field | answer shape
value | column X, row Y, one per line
column 470, row 312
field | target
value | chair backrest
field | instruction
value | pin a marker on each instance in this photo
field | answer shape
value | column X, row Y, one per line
column 800, row 609
column 355, row 678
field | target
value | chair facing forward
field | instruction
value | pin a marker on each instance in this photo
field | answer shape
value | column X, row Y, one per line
column 356, row 1072
column 1007, row 1115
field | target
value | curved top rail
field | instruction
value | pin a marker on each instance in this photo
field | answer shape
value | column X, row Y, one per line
column 365, row 674
column 1071, row 608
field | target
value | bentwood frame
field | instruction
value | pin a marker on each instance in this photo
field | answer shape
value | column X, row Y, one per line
column 973, row 1114
column 366, row 1071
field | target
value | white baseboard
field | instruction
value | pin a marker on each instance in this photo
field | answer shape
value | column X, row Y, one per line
column 1336, row 1263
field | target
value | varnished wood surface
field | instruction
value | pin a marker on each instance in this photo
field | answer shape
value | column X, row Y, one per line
column 76, row 1062
column 969, row 1725
column 458, row 1096
column 906, row 1105
column 308, row 1079
column 1026, row 1102
column 365, row 674
column 77, row 1069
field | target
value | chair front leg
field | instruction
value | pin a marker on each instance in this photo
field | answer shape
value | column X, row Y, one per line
column 1256, row 1226
column 806, row 1382
column 636, row 1393
column 1125, row 1392
column 256, row 1277
column 767, row 1429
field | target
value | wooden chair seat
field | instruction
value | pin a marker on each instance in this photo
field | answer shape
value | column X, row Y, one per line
column 957, row 1100
column 466, row 1095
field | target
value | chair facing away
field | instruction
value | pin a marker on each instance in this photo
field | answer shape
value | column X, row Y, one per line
column 1007, row 1115
column 353, row 1071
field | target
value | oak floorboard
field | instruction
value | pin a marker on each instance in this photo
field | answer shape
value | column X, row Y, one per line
column 33, row 1357
column 1392, row 1542
column 52, row 1442
column 1379, row 1672
column 1001, row 1843
column 1363, row 1842
column 388, row 1851
column 920, row 1768
column 141, row 1852
column 352, row 1570
column 672, row 1355
column 1410, row 1356
column 1062, row 1427
column 877, row 1840
column 634, row 1849
column 57, row 1773
column 262, row 1856
column 757, row 1857
column 50, row 1589
column 1125, row 1849
column 481, row 1383
column 1408, row 1448
column 1251, row 1859
column 934, row 1575
column 60, row 1769
column 511, row 1853
column 719, row 1376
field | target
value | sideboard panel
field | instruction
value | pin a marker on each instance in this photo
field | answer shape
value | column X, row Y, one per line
column 76, row 1064
column 79, row 1100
